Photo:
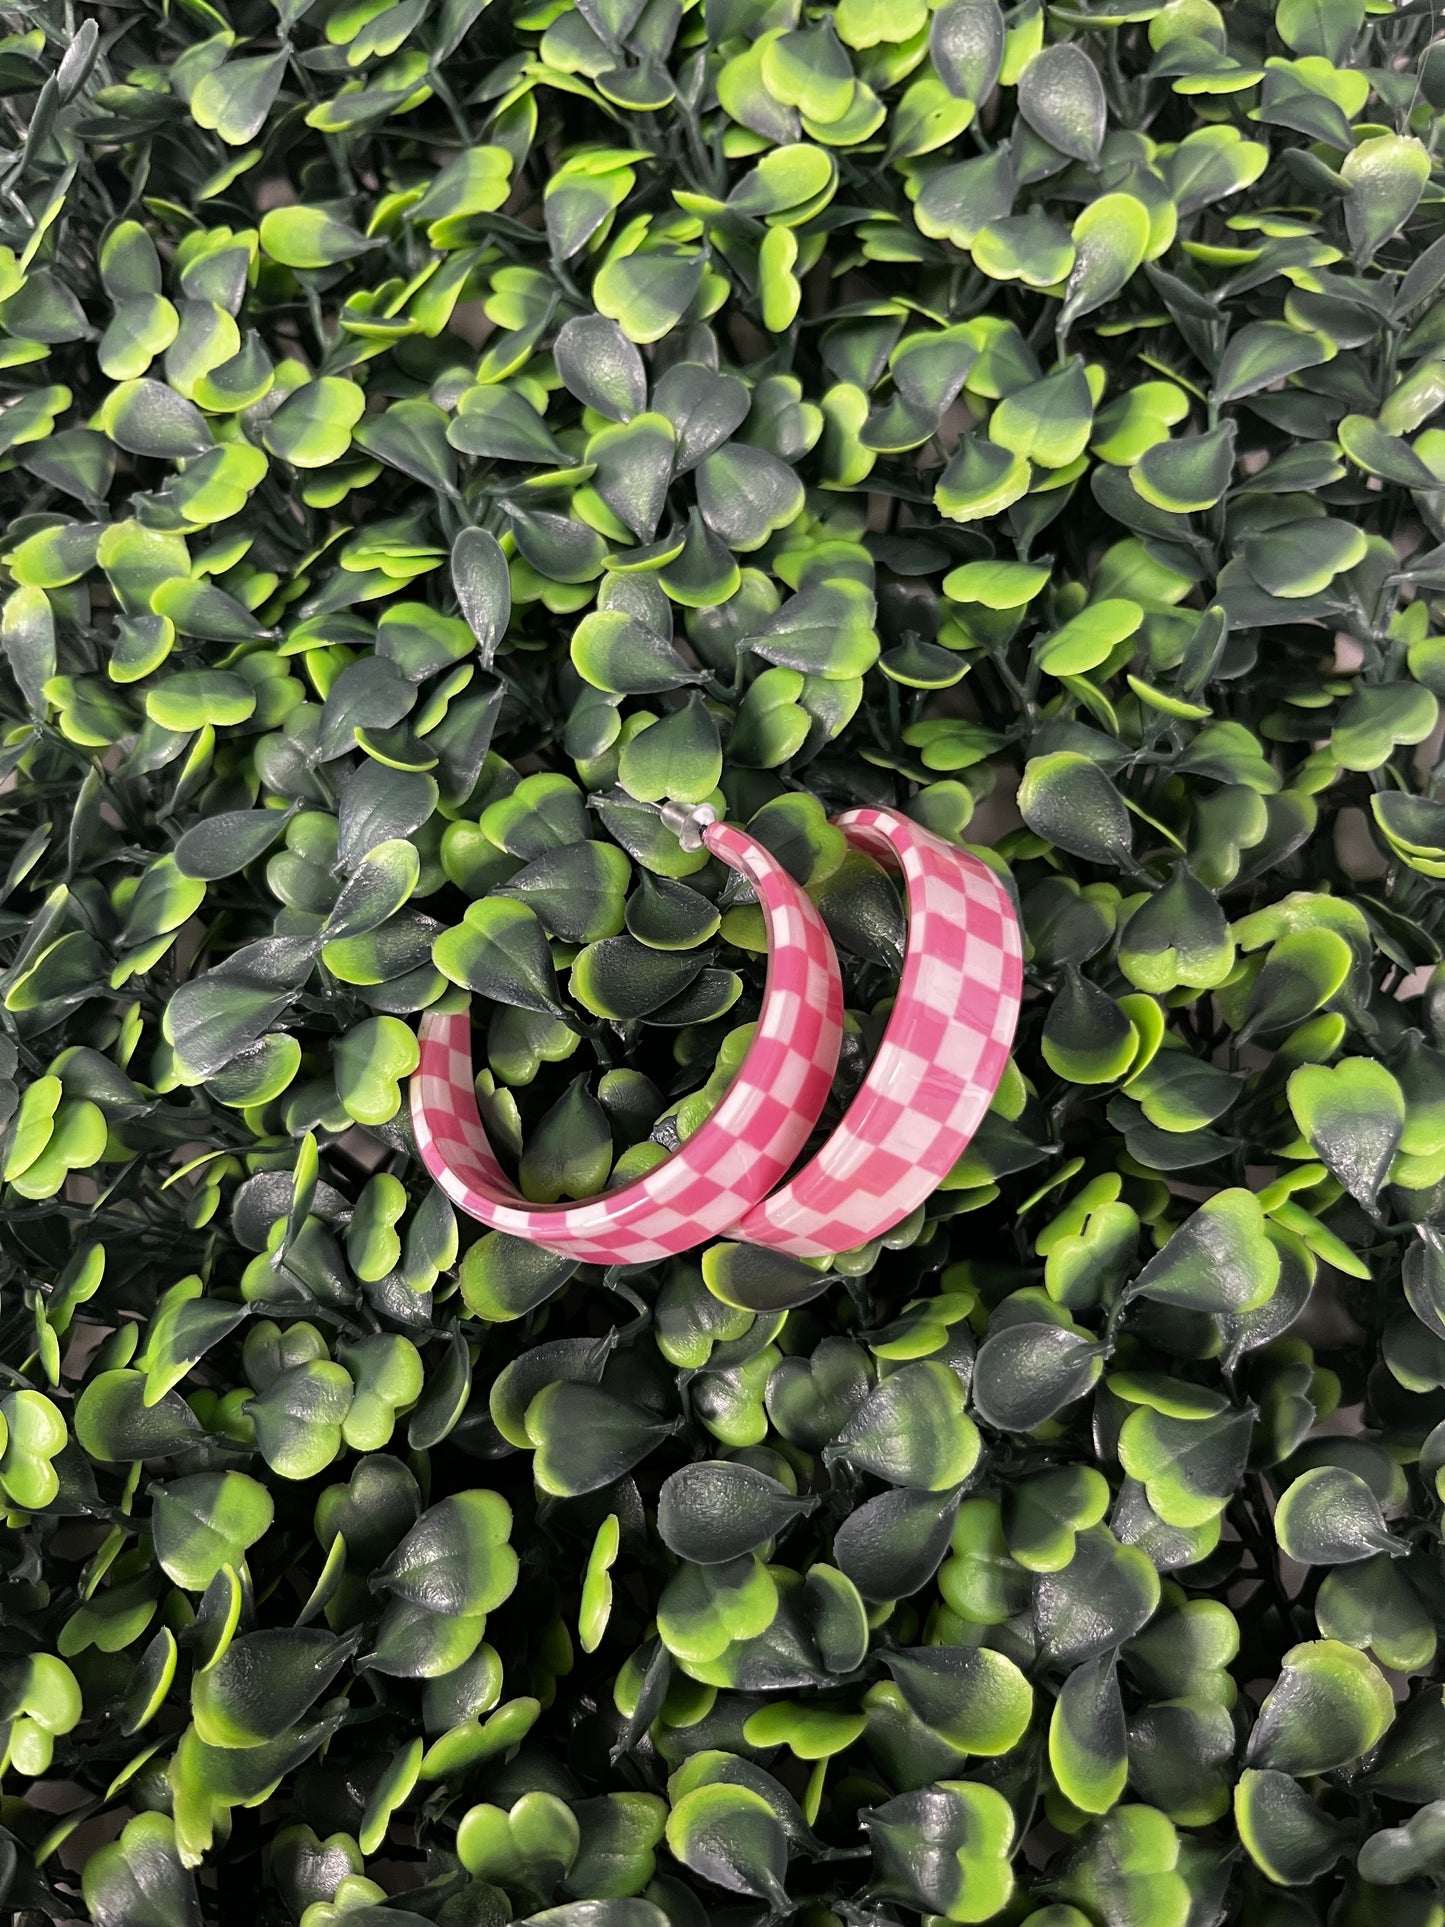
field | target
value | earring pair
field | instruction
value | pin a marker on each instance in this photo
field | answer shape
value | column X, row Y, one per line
column 943, row 1052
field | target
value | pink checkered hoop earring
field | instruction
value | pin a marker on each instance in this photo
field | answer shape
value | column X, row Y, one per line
column 943, row 1052
column 731, row 1161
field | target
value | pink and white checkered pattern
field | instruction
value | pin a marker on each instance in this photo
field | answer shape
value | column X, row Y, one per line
column 943, row 1052
column 735, row 1158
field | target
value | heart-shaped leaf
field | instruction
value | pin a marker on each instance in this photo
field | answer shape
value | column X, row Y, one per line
column 1329, row 1706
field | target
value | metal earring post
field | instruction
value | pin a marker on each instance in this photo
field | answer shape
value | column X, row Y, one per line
column 687, row 821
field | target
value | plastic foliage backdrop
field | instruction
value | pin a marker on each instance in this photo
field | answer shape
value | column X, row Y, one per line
column 435, row 435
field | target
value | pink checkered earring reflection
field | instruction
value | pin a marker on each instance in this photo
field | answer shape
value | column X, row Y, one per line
column 944, row 1050
column 742, row 1150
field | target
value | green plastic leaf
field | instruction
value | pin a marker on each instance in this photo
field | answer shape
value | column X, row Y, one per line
column 235, row 98
column 1395, row 1855
column 1088, row 1739
column 309, row 238
column 1330, row 1705
column 586, row 1438
column 975, row 1698
column 1220, row 1259
column 1105, row 1594
column 1026, row 1373
column 207, row 1521
column 1386, row 177
column 312, row 427
column 730, row 1837
column 113, row 1423
column 1328, row 1516
column 456, row 1559
column 139, row 1880
column 966, row 44
column 1188, row 474
column 147, row 418
column 1067, row 799
column 1352, row 1114
column 714, row 1511
column 945, row 1850
column 263, row 1683
column 500, row 951
column 1111, row 238
column 298, row 1418
column 1179, row 938
column 1190, row 1467
column 1127, row 1869
column 1062, row 99
column 1289, row 1837
column 1047, row 422
column 1264, row 352
column 483, row 588
column 912, row 1430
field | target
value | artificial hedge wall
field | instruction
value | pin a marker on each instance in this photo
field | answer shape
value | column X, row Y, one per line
column 433, row 434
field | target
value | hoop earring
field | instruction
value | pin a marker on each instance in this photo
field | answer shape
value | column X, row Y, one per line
column 733, row 1159
column 943, row 1052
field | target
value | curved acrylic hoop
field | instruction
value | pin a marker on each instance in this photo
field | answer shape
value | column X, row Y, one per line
column 943, row 1052
column 733, row 1159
